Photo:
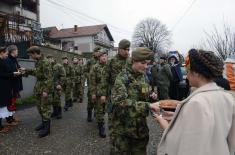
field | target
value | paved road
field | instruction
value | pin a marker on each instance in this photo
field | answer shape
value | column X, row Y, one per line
column 71, row 135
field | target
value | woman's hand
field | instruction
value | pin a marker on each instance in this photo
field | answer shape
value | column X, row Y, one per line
column 163, row 123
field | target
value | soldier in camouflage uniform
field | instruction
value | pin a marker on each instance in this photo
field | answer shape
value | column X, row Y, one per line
column 99, row 82
column 68, row 85
column 90, row 63
column 115, row 66
column 77, row 79
column 130, row 98
column 59, row 76
column 82, row 77
column 43, row 88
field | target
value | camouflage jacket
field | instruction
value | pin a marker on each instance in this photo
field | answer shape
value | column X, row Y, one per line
column 164, row 75
column 115, row 66
column 98, row 80
column 59, row 74
column 130, row 96
column 43, row 73
column 69, row 73
column 77, row 73
column 89, row 65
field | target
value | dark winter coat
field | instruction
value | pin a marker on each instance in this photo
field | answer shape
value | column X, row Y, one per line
column 5, row 83
column 17, row 85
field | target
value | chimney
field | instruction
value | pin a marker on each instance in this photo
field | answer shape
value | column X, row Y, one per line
column 75, row 28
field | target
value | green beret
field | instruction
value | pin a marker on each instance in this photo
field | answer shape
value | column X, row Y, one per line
column 142, row 53
column 49, row 56
column 34, row 49
column 65, row 57
column 123, row 44
column 96, row 49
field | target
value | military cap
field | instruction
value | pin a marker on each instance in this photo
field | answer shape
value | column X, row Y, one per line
column 96, row 49
column 142, row 53
column 34, row 49
column 2, row 49
column 64, row 57
column 102, row 52
column 49, row 56
column 124, row 43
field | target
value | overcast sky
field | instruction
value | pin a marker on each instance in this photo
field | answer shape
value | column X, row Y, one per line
column 121, row 16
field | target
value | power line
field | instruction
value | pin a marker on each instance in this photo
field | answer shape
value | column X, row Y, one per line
column 91, row 18
column 75, row 17
column 184, row 14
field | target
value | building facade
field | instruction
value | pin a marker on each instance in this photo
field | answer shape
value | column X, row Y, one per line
column 81, row 40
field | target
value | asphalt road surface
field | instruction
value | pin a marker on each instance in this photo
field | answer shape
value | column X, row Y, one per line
column 70, row 135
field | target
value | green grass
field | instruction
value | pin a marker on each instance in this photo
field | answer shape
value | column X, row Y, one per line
column 27, row 100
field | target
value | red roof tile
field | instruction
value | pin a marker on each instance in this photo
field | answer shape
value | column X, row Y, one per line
column 81, row 31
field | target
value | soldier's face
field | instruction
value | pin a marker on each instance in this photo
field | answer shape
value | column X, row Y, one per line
column 75, row 60
column 80, row 61
column 34, row 56
column 124, row 52
column 104, row 58
column 51, row 60
column 140, row 66
column 65, row 61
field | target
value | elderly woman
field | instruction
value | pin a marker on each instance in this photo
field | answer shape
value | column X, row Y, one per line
column 204, row 123
column 5, row 87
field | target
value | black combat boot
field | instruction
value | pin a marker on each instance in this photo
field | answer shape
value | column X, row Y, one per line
column 101, row 130
column 39, row 127
column 89, row 116
column 46, row 130
column 54, row 113
column 59, row 112
column 66, row 106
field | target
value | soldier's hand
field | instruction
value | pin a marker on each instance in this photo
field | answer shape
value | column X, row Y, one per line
column 155, row 108
column 44, row 94
column 93, row 97
column 103, row 99
column 58, row 87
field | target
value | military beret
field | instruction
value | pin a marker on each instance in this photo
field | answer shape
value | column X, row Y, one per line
column 33, row 49
column 124, row 43
column 142, row 53
column 96, row 49
column 49, row 56
column 2, row 49
column 65, row 57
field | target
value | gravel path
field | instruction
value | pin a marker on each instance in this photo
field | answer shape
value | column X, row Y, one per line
column 70, row 135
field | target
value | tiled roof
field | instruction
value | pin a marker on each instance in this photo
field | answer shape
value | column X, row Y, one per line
column 81, row 31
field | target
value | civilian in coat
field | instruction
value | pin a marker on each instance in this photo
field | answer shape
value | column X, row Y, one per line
column 5, row 90
column 204, row 123
column 16, row 82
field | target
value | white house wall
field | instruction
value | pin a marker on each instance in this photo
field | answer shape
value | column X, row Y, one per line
column 85, row 44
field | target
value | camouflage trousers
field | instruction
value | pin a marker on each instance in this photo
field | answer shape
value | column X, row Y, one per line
column 56, row 101
column 78, row 91
column 90, row 103
column 44, row 107
column 100, row 109
column 123, row 145
column 68, row 91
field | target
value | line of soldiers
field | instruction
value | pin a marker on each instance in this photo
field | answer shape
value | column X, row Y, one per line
column 119, row 87
column 53, row 79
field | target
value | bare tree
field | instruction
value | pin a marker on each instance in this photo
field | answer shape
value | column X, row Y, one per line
column 153, row 34
column 222, row 43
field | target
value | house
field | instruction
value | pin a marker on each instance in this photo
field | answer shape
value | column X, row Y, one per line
column 20, row 24
column 80, row 40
